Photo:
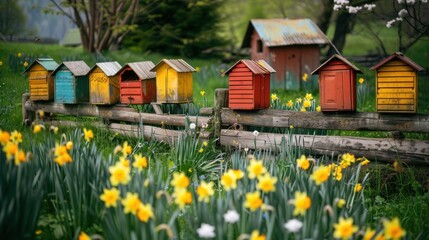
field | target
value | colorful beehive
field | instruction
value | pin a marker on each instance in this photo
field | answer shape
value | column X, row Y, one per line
column 396, row 84
column 104, row 83
column 337, row 82
column 41, row 82
column 249, row 85
column 138, row 83
column 173, row 81
column 71, row 82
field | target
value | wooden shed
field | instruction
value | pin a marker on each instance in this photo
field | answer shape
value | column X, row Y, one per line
column 396, row 84
column 249, row 85
column 137, row 83
column 104, row 83
column 337, row 84
column 40, row 80
column 290, row 46
column 173, row 81
column 71, row 82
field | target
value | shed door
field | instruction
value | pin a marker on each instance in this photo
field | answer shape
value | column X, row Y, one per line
column 332, row 94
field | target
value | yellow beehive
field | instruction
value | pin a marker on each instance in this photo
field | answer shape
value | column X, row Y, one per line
column 104, row 83
column 173, row 81
column 396, row 84
column 40, row 80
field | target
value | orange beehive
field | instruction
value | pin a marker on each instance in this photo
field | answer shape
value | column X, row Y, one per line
column 396, row 84
column 337, row 82
column 249, row 85
column 137, row 83
column 41, row 81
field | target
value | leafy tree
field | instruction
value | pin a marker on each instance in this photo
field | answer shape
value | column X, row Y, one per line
column 12, row 18
column 186, row 27
column 103, row 24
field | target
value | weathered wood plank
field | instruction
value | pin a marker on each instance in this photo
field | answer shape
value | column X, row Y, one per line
column 115, row 113
column 375, row 149
column 335, row 121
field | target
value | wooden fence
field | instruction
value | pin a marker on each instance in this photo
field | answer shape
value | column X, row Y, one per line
column 229, row 127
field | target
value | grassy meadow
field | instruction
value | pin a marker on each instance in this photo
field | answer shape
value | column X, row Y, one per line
column 79, row 183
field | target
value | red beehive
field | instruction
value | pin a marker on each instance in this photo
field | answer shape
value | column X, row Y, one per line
column 337, row 83
column 249, row 85
column 137, row 83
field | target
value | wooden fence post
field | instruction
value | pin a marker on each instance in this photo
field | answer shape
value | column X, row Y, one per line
column 220, row 101
column 27, row 116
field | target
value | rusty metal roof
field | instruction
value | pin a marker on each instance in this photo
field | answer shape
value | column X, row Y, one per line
column 339, row 57
column 109, row 68
column 402, row 57
column 48, row 63
column 179, row 65
column 282, row 32
column 255, row 66
column 142, row 69
column 78, row 68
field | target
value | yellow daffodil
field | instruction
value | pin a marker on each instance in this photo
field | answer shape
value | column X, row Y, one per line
column 131, row 203
column 117, row 149
column 303, row 109
column 20, row 157
column 202, row 93
column 38, row 232
column 303, row 162
column 41, row 114
column 299, row 100
column 289, row 104
column 1, row 63
column 358, row 187
column 16, row 137
column 321, row 174
column 144, row 213
column 110, row 197
column 140, row 162
column 238, row 173
column 124, row 161
column 266, row 183
column 69, row 145
column 4, row 137
column 10, row 149
column 309, row 96
column 253, row 201
column 347, row 159
column 88, row 134
column 54, row 129
column 37, row 128
column 318, row 108
column 25, row 64
column 302, row 203
column 83, row 236
column 197, row 69
column 126, row 149
column 338, row 173
column 180, row 180
column 369, row 234
column 365, row 162
column 274, row 97
column 119, row 174
column 305, row 77
column 344, row 229
column 63, row 158
column 340, row 203
column 256, row 236
column 201, row 150
column 255, row 168
column 19, row 54
column 306, row 104
column 361, row 80
column 205, row 143
column 229, row 180
column 182, row 197
column 205, row 191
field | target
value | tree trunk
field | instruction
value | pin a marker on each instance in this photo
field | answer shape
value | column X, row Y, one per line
column 324, row 18
column 344, row 25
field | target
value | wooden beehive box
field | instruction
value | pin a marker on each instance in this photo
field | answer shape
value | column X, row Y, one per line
column 173, row 81
column 71, row 82
column 137, row 83
column 337, row 83
column 249, row 85
column 104, row 83
column 40, row 80
column 396, row 84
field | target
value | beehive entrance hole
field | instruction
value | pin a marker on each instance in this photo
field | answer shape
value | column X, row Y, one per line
column 129, row 75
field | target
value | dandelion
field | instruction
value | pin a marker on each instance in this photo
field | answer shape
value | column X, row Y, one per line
column 358, row 187
column 180, row 180
column 256, row 236
column 253, row 201
column 293, row 225
column 110, row 197
column 289, row 104
column 88, row 134
column 140, row 162
column 274, row 97
column 192, row 126
column 144, row 213
column 205, row 191
column 206, row 231
column 182, row 197
column 303, row 162
column 25, row 64
column 131, row 203
column 255, row 133
column 302, row 202
column 231, row 216
column 361, row 80
column 256, row 168
column 321, row 174
column 344, row 229
column 16, row 137
column 341, row 202
column 305, row 77
column 369, row 234
column 267, row 183
column 84, row 236
column 119, row 174
column 318, row 108
column 37, row 128
column 229, row 180
column 69, row 145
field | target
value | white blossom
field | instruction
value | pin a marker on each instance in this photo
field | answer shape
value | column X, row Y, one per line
column 204, row 125
column 402, row 13
column 352, row 9
column 192, row 126
column 411, row 2
column 342, row 2
column 400, row 1
column 293, row 225
column 337, row 7
column 424, row 1
column 390, row 23
column 231, row 216
column 369, row 7
column 398, row 19
column 206, row 231
column 255, row 133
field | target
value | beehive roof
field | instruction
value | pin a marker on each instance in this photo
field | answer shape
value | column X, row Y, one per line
column 78, row 68
column 403, row 58
column 282, row 32
column 142, row 69
column 255, row 66
column 342, row 59
column 179, row 65
column 109, row 68
column 48, row 63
